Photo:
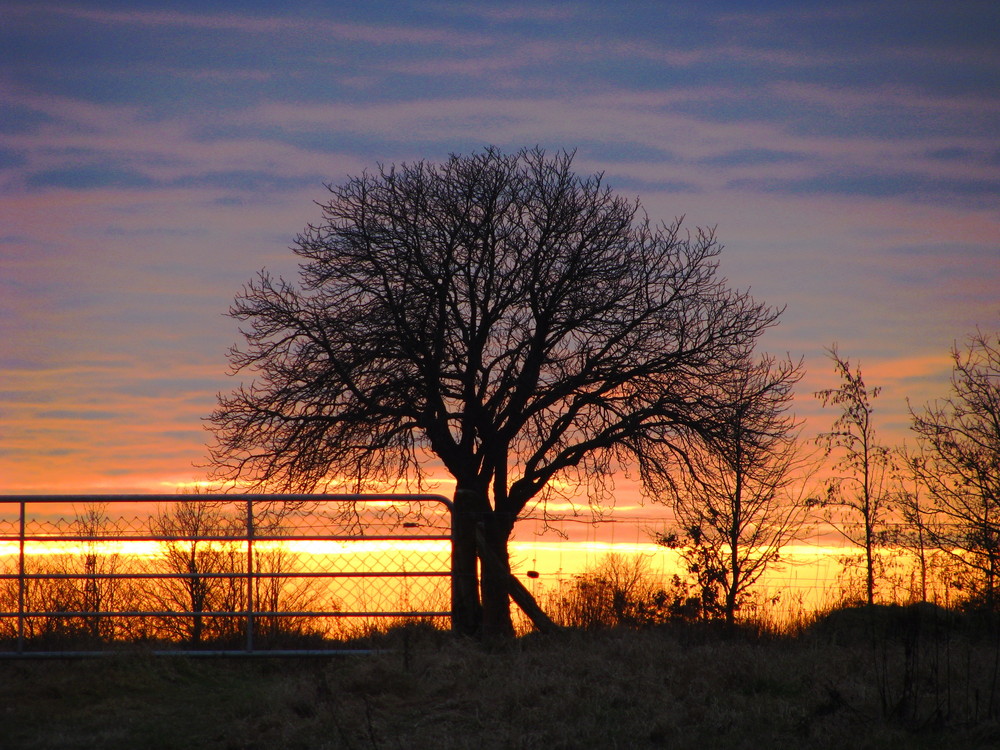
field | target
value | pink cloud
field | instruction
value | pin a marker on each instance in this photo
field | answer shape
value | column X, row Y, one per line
column 524, row 12
column 270, row 25
column 881, row 96
column 936, row 365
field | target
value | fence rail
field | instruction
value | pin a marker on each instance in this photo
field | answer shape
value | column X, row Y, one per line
column 217, row 574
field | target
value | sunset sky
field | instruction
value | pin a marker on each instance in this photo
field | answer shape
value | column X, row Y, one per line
column 155, row 155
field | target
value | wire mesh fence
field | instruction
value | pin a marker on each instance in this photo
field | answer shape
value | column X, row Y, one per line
column 817, row 571
column 218, row 573
column 284, row 573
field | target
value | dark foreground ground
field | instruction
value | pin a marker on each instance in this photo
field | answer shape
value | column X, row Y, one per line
column 846, row 683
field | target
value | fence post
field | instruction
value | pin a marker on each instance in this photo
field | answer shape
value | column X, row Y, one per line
column 250, row 606
column 452, row 594
column 21, row 582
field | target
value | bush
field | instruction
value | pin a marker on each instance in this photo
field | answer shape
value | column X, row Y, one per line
column 622, row 591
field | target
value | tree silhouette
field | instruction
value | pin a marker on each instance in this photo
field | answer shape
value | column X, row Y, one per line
column 100, row 591
column 957, row 464
column 191, row 546
column 495, row 314
column 858, row 496
column 735, row 510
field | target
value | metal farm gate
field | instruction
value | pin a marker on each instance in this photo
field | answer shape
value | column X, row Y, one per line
column 218, row 574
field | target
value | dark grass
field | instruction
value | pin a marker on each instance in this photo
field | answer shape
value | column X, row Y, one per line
column 835, row 684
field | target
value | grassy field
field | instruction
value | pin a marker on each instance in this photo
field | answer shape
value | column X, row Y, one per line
column 888, row 679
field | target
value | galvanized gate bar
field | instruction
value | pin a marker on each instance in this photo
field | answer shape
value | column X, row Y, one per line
column 40, row 531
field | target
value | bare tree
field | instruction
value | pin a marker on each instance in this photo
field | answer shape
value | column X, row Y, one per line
column 495, row 314
column 278, row 592
column 957, row 464
column 96, row 591
column 858, row 496
column 101, row 590
column 194, row 545
column 912, row 533
column 736, row 510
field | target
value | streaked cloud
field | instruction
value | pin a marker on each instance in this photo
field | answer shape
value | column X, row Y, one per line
column 244, row 23
column 154, row 155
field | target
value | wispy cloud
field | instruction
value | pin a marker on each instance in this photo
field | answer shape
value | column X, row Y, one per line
column 539, row 11
column 292, row 27
column 865, row 99
column 153, row 158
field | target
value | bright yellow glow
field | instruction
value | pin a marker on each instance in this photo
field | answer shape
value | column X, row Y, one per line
column 361, row 548
column 806, row 577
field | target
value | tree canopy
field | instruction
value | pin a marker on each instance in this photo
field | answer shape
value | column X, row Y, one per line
column 496, row 313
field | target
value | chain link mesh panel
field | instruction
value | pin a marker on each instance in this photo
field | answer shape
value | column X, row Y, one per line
column 218, row 571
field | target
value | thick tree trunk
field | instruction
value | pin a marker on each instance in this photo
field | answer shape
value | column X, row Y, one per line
column 497, row 623
column 482, row 584
column 515, row 589
column 467, row 610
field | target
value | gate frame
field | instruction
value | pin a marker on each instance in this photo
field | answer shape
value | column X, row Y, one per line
column 250, row 537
